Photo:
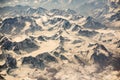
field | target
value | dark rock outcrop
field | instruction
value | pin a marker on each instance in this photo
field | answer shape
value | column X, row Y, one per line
column 39, row 61
column 7, row 44
column 79, row 60
column 41, row 38
column 115, row 62
column 101, row 58
column 3, row 56
column 54, row 21
column 56, row 54
column 33, row 62
column 10, row 62
column 27, row 45
column 1, row 77
column 76, row 28
column 87, row 33
column 46, row 57
column 66, row 24
column 93, row 24
column 118, row 44
column 62, row 57
column 10, row 23
column 76, row 41
column 17, row 24
column 115, row 17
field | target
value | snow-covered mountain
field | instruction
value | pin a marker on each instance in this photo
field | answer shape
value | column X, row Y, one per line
column 59, row 44
column 77, row 5
column 114, row 14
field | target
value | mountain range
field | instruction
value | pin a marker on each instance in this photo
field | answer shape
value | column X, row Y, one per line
column 60, row 44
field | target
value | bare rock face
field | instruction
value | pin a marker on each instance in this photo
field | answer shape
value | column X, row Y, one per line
column 33, row 62
column 76, row 28
column 2, row 78
column 46, row 57
column 87, row 33
column 26, row 45
column 7, row 44
column 101, row 58
column 41, row 38
column 62, row 57
column 115, row 17
column 17, row 24
column 10, row 62
column 93, row 24
column 115, row 63
column 117, row 43
column 66, row 24
column 39, row 61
